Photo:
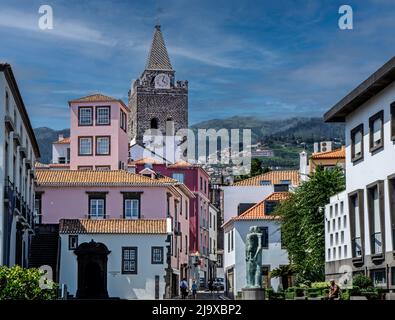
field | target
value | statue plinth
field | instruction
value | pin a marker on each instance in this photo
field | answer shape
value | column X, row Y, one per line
column 253, row 294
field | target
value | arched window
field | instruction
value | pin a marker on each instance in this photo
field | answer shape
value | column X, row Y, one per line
column 154, row 123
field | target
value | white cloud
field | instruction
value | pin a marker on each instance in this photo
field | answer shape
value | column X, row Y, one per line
column 65, row 29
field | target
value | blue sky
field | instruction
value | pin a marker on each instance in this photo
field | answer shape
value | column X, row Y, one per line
column 249, row 58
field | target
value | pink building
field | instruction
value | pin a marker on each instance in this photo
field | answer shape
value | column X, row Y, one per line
column 98, row 129
column 97, row 186
column 197, row 180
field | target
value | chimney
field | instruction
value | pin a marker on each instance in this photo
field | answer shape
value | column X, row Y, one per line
column 303, row 166
column 60, row 137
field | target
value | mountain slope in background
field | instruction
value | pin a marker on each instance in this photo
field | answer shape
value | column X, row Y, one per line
column 45, row 137
column 308, row 130
column 292, row 131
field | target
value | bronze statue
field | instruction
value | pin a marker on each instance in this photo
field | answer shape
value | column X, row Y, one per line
column 254, row 258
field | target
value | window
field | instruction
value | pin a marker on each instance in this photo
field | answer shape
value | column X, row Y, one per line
column 329, row 254
column 103, row 116
column 228, row 241
column 7, row 102
column 123, row 120
column 376, row 131
column 270, row 206
column 201, row 183
column 129, row 260
column 345, row 222
column 378, row 277
column 73, row 242
column 154, row 123
column 102, row 146
column 131, row 209
column 62, row 160
column 357, row 143
column 391, row 197
column 205, row 186
column 265, row 182
column 356, row 222
column 179, row 177
column 393, row 121
column 186, row 244
column 85, row 146
column 342, row 237
column 331, row 239
column 186, row 209
column 281, row 187
column 375, row 193
column 328, row 228
column 265, row 237
column 211, row 219
column 85, row 167
column 345, row 251
column 243, row 207
column 103, row 168
column 96, row 208
column 157, row 255
column 85, row 116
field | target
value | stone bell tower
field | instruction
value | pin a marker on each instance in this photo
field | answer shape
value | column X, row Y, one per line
column 157, row 100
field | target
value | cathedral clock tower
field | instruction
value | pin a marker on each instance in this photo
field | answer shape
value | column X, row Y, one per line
column 156, row 99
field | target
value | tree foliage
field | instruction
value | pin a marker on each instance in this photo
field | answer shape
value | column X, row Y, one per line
column 17, row 283
column 302, row 223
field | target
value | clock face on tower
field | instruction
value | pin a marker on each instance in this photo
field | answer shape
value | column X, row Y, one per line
column 162, row 81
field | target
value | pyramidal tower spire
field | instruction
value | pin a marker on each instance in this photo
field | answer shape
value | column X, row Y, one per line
column 158, row 58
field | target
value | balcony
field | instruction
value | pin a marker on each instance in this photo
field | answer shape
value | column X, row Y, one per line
column 28, row 164
column 17, row 139
column 22, row 152
column 377, row 246
column 9, row 123
column 9, row 190
column 357, row 251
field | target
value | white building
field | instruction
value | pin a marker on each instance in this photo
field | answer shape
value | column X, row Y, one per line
column 18, row 153
column 273, row 254
column 244, row 194
column 213, row 236
column 369, row 116
column 61, row 150
column 124, row 259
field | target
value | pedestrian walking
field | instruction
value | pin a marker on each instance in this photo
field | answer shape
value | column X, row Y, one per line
column 184, row 288
column 194, row 289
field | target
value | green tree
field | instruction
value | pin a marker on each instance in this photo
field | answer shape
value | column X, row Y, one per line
column 17, row 283
column 302, row 222
column 256, row 167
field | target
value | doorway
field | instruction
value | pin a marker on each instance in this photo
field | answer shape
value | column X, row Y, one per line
column 92, row 270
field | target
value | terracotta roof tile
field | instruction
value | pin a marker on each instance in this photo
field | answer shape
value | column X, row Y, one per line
column 275, row 177
column 146, row 160
column 180, row 164
column 97, row 178
column 64, row 141
column 59, row 165
column 334, row 154
column 112, row 226
column 257, row 212
column 97, row 97
column 278, row 196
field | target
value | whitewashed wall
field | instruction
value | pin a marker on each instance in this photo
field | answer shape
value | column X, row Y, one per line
column 373, row 167
column 124, row 286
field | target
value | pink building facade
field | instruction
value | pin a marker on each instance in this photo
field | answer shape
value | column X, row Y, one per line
column 98, row 133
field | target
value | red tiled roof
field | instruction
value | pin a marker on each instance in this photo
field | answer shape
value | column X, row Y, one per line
column 97, row 97
column 275, row 177
column 64, row 141
column 97, row 178
column 112, row 226
column 334, row 154
column 258, row 211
